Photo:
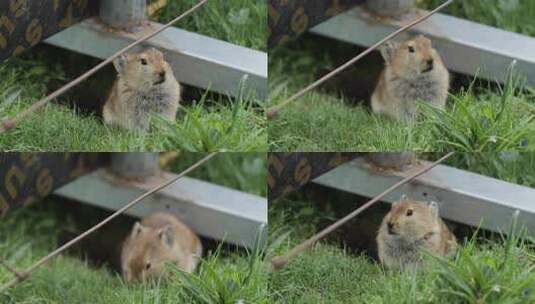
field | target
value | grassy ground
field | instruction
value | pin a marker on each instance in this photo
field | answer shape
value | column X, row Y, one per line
column 514, row 16
column 243, row 171
column 482, row 272
column 477, row 118
column 211, row 122
column 241, row 22
column 224, row 276
column 512, row 167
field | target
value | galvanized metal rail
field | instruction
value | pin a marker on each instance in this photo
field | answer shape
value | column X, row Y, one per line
column 197, row 60
column 467, row 47
column 210, row 210
column 463, row 196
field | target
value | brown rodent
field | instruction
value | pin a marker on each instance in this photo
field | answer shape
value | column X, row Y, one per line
column 409, row 227
column 145, row 85
column 413, row 72
column 160, row 238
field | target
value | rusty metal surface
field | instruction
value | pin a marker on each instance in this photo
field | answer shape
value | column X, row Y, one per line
column 288, row 19
column 287, row 172
column 24, row 23
column 28, row 177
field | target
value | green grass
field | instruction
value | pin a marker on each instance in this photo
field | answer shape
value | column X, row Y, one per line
column 511, row 15
column 513, row 167
column 241, row 171
column 208, row 124
column 477, row 118
column 241, row 22
column 224, row 276
column 319, row 122
column 30, row 233
column 482, row 272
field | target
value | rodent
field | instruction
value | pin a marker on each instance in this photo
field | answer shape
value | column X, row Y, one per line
column 414, row 71
column 145, row 85
column 409, row 227
column 158, row 239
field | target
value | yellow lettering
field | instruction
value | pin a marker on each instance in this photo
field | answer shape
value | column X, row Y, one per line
column 34, row 32
column 65, row 22
column 302, row 172
column 3, row 41
column 5, row 22
column 14, row 174
column 28, row 159
column 44, row 182
column 18, row 7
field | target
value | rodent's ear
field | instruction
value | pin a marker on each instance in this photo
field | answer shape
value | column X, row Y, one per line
column 120, row 63
column 166, row 236
column 387, row 50
column 138, row 228
column 433, row 206
column 401, row 198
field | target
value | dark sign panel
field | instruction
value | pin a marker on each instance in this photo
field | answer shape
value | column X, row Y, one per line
column 290, row 18
column 287, row 172
column 28, row 177
column 24, row 23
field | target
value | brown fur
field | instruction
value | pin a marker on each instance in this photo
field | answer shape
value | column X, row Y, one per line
column 160, row 238
column 410, row 77
column 145, row 85
column 400, row 245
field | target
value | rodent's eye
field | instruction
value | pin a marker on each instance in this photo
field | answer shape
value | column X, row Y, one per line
column 147, row 267
column 143, row 61
column 411, row 49
column 409, row 212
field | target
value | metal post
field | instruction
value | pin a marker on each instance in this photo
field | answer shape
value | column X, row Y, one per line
column 398, row 161
column 134, row 165
column 391, row 8
column 124, row 14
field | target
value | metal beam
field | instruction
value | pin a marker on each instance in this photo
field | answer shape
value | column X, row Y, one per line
column 467, row 47
column 463, row 196
column 196, row 59
column 211, row 210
